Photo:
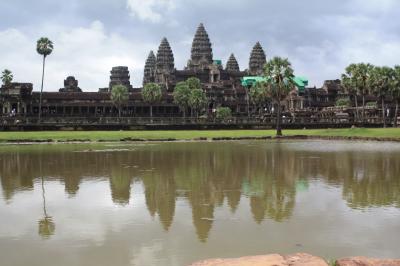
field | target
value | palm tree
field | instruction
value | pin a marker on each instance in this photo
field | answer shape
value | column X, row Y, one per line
column 197, row 100
column 258, row 94
column 396, row 92
column 44, row 47
column 182, row 95
column 363, row 74
column 382, row 80
column 152, row 94
column 350, row 82
column 194, row 84
column 119, row 96
column 6, row 77
column 279, row 76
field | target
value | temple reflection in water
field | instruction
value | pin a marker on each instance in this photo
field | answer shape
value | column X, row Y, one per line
column 205, row 175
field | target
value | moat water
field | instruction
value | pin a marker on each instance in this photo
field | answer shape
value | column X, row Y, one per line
column 175, row 203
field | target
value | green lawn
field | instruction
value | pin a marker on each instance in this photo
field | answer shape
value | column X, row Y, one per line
column 191, row 134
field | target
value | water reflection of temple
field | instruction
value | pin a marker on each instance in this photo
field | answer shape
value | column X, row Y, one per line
column 208, row 176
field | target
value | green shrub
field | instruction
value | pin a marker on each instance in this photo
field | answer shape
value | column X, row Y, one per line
column 223, row 113
column 343, row 102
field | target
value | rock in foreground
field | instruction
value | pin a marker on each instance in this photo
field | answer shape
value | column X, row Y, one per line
column 300, row 259
column 362, row 261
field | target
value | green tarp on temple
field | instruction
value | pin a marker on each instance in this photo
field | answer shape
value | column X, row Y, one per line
column 301, row 82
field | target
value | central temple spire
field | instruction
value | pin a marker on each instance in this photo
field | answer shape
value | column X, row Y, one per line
column 257, row 60
column 201, row 52
column 165, row 57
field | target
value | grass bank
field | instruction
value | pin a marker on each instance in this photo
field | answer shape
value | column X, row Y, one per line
column 387, row 133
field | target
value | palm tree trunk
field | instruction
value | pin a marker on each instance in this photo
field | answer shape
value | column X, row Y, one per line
column 119, row 112
column 396, row 113
column 356, row 103
column 41, row 91
column 383, row 112
column 151, row 113
column 363, row 108
column 278, row 120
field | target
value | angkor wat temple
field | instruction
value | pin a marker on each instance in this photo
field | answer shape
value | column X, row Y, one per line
column 224, row 86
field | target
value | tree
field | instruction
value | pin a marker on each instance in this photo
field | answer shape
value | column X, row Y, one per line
column 193, row 83
column 6, row 77
column 197, row 100
column 258, row 94
column 396, row 92
column 182, row 96
column 350, row 83
column 382, row 80
column 279, row 76
column 44, row 47
column 363, row 73
column 152, row 94
column 119, row 96
column 223, row 113
column 343, row 102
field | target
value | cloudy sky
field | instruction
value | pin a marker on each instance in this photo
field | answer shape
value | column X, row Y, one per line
column 90, row 36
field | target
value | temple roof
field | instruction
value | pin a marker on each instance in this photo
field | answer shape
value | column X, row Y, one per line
column 232, row 64
column 149, row 68
column 257, row 60
column 165, row 57
column 201, row 46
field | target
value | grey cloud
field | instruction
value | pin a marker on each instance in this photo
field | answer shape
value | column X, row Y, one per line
column 319, row 37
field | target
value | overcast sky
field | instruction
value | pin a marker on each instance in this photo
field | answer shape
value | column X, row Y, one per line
column 90, row 36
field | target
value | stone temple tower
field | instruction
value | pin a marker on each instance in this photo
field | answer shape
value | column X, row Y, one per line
column 165, row 65
column 201, row 53
column 257, row 60
column 120, row 76
column 232, row 64
column 149, row 69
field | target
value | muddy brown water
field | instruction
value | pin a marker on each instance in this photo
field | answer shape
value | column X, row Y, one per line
column 174, row 203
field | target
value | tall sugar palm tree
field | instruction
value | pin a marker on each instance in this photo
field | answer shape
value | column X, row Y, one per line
column 152, row 94
column 6, row 77
column 119, row 96
column 350, row 83
column 182, row 95
column 197, row 100
column 44, row 47
column 363, row 74
column 382, row 83
column 396, row 92
column 258, row 94
column 279, row 75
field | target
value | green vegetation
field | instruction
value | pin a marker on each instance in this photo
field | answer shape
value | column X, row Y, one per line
column 223, row 113
column 395, row 90
column 382, row 81
column 343, row 102
column 193, row 134
column 6, row 77
column 190, row 94
column 119, row 96
column 197, row 100
column 182, row 96
column 279, row 76
column 152, row 94
column 258, row 95
column 358, row 81
column 44, row 47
